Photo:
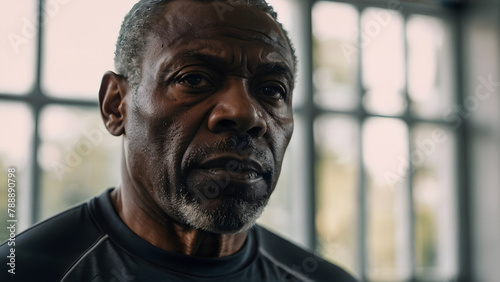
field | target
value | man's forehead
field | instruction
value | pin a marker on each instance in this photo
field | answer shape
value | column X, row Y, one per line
column 193, row 19
column 190, row 27
column 220, row 55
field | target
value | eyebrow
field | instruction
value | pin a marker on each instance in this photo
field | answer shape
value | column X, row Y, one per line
column 209, row 60
column 218, row 63
column 276, row 67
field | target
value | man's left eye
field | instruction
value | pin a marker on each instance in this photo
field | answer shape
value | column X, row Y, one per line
column 275, row 92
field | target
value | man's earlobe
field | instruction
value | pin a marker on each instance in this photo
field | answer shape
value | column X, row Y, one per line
column 112, row 104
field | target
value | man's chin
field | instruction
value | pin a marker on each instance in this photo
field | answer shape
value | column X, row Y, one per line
column 224, row 216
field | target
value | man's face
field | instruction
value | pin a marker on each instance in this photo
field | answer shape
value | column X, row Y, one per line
column 208, row 127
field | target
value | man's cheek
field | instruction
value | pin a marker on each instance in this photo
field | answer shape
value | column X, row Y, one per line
column 280, row 136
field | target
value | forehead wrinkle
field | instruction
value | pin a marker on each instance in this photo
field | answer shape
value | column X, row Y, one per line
column 219, row 48
column 226, row 65
column 171, row 62
column 272, row 38
column 223, row 57
column 248, row 34
column 211, row 54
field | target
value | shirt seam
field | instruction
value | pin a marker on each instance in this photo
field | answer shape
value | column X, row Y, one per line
column 84, row 255
column 282, row 266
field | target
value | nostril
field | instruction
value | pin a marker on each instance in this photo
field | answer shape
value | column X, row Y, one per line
column 230, row 125
column 236, row 117
column 227, row 124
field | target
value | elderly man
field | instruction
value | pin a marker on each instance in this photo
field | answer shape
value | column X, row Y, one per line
column 203, row 100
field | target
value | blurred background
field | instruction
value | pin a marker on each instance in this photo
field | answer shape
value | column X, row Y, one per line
column 393, row 170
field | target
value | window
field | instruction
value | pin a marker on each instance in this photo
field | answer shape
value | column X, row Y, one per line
column 370, row 177
column 383, row 181
column 48, row 102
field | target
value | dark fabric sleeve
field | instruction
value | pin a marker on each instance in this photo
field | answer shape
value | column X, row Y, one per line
column 45, row 251
column 298, row 260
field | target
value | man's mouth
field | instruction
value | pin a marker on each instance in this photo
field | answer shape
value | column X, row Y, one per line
column 237, row 169
column 229, row 175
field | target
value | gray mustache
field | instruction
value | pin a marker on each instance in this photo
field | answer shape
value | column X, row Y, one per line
column 242, row 145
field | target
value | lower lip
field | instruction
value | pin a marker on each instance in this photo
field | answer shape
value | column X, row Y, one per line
column 230, row 184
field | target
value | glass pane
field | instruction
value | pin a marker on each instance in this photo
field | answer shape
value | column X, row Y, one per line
column 429, row 63
column 78, row 157
column 77, row 50
column 16, row 127
column 433, row 149
column 335, row 55
column 337, row 174
column 18, row 27
column 284, row 213
column 385, row 148
column 383, row 61
column 290, row 14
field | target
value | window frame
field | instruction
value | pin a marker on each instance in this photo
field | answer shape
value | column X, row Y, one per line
column 451, row 15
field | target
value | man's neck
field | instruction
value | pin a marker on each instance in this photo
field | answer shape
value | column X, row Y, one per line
column 167, row 234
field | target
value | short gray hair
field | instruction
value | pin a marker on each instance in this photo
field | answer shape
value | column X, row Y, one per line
column 140, row 20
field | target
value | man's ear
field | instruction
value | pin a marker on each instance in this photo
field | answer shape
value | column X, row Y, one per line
column 112, row 104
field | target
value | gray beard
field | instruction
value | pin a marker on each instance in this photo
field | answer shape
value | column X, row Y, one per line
column 222, row 220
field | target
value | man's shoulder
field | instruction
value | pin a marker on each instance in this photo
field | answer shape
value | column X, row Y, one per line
column 58, row 231
column 296, row 261
column 48, row 248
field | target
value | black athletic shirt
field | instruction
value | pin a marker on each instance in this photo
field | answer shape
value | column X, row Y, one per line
column 90, row 242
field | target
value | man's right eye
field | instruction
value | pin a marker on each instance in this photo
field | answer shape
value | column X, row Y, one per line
column 194, row 81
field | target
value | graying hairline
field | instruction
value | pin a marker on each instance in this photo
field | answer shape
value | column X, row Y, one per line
column 130, row 65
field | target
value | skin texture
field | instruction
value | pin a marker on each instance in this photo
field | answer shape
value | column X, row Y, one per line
column 205, row 134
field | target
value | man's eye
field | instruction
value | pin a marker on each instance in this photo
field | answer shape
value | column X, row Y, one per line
column 275, row 92
column 194, row 81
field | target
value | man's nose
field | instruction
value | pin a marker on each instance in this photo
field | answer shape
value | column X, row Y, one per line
column 236, row 110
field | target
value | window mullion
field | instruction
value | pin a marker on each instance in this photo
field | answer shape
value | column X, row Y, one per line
column 37, row 106
column 309, row 116
column 362, row 191
column 409, row 195
column 463, row 166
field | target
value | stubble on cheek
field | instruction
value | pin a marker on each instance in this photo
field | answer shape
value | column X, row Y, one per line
column 149, row 155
